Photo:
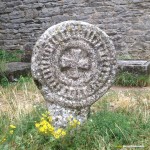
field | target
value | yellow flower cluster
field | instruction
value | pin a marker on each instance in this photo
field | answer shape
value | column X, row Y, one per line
column 73, row 122
column 45, row 127
column 3, row 140
column 59, row 133
column 11, row 131
column 12, row 127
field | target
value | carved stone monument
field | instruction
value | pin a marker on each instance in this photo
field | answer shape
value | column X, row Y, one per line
column 74, row 64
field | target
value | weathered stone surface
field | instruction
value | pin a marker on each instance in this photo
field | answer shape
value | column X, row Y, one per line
column 127, row 19
column 75, row 64
column 134, row 66
column 26, row 57
column 14, row 70
column 17, row 66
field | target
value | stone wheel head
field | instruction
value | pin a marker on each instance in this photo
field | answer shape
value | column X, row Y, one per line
column 75, row 63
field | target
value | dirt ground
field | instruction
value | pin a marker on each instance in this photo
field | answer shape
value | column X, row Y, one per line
column 120, row 88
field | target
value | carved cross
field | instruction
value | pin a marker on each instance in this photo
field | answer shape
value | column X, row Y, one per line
column 75, row 62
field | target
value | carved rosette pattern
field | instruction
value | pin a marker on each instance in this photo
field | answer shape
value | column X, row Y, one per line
column 75, row 63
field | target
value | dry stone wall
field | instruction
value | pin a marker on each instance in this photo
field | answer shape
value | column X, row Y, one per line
column 127, row 22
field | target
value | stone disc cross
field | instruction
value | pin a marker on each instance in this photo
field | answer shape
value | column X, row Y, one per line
column 74, row 64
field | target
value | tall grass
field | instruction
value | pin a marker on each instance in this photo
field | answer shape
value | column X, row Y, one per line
column 121, row 117
column 10, row 56
column 19, row 97
column 133, row 80
column 6, row 57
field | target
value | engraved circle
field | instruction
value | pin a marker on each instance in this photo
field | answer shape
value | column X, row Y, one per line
column 76, row 62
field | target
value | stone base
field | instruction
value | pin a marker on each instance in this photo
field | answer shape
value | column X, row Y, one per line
column 62, row 115
column 14, row 70
column 134, row 66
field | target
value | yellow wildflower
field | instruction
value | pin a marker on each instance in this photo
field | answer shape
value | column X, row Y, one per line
column 49, row 118
column 42, row 118
column 11, row 131
column 12, row 126
column 41, row 129
column 59, row 133
column 44, row 127
column 74, row 123
column 37, row 125
column 44, row 115
column 3, row 140
column 50, row 128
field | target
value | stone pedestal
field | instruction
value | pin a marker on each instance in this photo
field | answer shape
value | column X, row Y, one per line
column 62, row 115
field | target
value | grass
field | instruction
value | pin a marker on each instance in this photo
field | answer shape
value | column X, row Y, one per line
column 10, row 56
column 104, row 130
column 6, row 57
column 121, row 117
column 124, row 57
column 19, row 97
column 133, row 80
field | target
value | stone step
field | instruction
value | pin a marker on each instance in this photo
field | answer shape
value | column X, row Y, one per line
column 134, row 66
column 15, row 69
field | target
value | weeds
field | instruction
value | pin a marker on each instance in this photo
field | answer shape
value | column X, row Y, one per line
column 10, row 56
column 130, row 79
column 104, row 130
column 6, row 57
column 4, row 81
column 119, row 118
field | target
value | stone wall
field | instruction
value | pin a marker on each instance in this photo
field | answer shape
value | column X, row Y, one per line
column 127, row 22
